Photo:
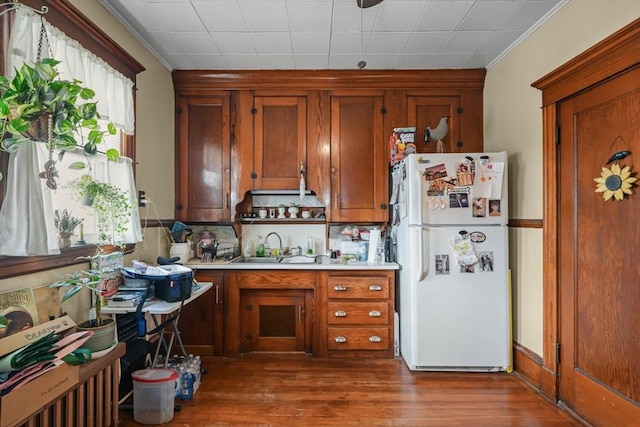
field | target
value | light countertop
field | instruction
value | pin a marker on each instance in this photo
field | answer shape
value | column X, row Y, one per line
column 196, row 264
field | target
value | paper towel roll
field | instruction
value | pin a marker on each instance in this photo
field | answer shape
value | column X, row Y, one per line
column 374, row 237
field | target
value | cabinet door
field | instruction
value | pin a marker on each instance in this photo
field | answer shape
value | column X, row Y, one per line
column 279, row 141
column 203, row 158
column 358, row 163
column 202, row 320
column 465, row 122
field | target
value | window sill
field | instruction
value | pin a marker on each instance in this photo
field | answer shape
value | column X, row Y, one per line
column 17, row 266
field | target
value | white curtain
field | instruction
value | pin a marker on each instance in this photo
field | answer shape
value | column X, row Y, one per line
column 120, row 174
column 26, row 217
column 114, row 91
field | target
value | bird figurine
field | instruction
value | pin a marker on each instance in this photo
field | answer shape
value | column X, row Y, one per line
column 618, row 156
column 439, row 132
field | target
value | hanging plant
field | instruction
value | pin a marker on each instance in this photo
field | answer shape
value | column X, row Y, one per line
column 36, row 104
column 615, row 182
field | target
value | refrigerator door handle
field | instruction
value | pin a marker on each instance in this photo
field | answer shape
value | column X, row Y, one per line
column 423, row 239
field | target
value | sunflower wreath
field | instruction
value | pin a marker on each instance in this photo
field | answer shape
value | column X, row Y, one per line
column 614, row 183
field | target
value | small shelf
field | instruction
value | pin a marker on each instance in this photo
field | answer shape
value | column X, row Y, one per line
column 283, row 220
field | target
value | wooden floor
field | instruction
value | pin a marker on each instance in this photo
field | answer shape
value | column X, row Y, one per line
column 297, row 390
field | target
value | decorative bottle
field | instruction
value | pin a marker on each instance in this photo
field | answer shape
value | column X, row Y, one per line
column 260, row 247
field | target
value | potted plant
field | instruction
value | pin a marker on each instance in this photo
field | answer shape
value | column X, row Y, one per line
column 65, row 224
column 111, row 205
column 38, row 105
column 93, row 279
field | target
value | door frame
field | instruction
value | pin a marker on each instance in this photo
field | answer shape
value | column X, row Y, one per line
column 613, row 55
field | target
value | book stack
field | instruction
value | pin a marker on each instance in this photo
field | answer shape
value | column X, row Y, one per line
column 125, row 299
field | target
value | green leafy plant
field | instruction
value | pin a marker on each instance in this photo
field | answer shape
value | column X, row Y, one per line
column 112, row 206
column 90, row 279
column 36, row 101
column 64, row 222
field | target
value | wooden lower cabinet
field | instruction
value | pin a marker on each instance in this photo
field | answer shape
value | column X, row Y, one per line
column 359, row 314
column 202, row 320
column 275, row 320
column 325, row 313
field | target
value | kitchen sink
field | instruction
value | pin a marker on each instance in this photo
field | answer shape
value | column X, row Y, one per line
column 300, row 259
column 257, row 260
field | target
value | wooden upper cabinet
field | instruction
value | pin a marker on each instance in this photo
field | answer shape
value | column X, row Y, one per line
column 280, row 141
column 359, row 169
column 203, row 159
column 465, row 122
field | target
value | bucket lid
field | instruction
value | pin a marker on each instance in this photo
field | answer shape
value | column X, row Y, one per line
column 154, row 375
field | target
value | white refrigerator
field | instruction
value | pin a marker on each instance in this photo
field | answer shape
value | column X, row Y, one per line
column 450, row 220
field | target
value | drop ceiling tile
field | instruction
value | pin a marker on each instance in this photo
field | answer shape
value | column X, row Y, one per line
column 417, row 61
column 171, row 17
column 346, row 43
column 198, row 43
column 427, row 42
column 276, row 62
column 242, row 62
column 165, row 43
column 450, row 60
column 270, row 43
column 207, row 62
column 443, row 16
column 387, row 61
column 265, row 15
column 465, row 41
column 310, row 43
column 488, row 15
column 498, row 42
column 311, row 62
column 346, row 17
column 386, row 42
column 310, row 16
column 399, row 16
column 238, row 43
column 221, row 15
column 528, row 14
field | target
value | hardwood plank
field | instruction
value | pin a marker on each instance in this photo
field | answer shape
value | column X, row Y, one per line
column 296, row 389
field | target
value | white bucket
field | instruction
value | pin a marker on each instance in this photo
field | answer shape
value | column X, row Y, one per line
column 154, row 391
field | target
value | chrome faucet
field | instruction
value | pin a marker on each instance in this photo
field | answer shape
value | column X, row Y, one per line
column 279, row 242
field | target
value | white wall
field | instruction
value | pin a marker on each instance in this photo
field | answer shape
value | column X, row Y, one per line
column 513, row 122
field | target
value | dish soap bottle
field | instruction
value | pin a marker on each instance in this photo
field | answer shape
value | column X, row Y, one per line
column 260, row 247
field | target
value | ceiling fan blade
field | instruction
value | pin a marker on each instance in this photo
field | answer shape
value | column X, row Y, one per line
column 367, row 3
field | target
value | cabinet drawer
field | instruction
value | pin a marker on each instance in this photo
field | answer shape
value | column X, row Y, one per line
column 358, row 339
column 358, row 313
column 359, row 287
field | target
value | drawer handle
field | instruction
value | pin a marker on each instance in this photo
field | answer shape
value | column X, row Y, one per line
column 340, row 338
column 375, row 313
column 340, row 313
column 375, row 287
column 340, row 288
column 375, row 338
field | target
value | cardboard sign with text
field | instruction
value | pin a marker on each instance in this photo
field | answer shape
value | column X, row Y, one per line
column 31, row 335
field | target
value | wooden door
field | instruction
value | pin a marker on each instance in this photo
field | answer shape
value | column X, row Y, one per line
column 279, row 142
column 599, row 249
column 274, row 320
column 203, row 158
column 359, row 172
column 202, row 320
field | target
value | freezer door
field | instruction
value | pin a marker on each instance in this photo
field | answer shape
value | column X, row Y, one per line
column 460, row 313
column 447, row 189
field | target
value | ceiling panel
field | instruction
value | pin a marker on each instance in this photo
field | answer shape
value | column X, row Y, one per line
column 330, row 34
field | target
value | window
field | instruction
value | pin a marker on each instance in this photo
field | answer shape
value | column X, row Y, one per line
column 63, row 15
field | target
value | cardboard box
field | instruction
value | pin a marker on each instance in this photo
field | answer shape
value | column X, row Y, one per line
column 31, row 335
column 27, row 400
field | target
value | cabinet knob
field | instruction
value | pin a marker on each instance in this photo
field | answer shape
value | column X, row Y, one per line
column 375, row 338
column 340, row 288
column 340, row 338
column 375, row 313
column 340, row 313
column 375, row 287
